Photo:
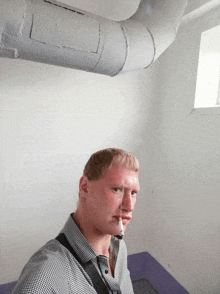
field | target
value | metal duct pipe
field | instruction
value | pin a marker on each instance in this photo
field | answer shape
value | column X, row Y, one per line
column 50, row 32
column 201, row 11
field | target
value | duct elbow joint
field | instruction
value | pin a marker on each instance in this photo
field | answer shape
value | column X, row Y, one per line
column 140, row 46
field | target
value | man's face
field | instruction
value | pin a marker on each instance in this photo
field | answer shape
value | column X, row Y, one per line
column 117, row 188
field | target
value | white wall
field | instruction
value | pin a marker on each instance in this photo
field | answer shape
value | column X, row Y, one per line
column 52, row 120
column 183, row 169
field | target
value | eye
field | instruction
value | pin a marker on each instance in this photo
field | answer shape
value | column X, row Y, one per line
column 116, row 189
column 134, row 193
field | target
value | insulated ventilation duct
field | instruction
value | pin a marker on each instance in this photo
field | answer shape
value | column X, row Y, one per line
column 53, row 33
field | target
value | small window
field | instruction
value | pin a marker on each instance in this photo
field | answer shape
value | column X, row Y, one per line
column 208, row 75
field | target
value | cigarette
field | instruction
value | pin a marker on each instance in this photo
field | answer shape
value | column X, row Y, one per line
column 121, row 227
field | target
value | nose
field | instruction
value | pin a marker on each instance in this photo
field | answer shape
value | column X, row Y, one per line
column 128, row 202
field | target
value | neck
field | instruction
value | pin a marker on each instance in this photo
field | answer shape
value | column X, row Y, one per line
column 98, row 241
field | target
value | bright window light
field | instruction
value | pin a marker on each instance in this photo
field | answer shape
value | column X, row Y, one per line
column 208, row 75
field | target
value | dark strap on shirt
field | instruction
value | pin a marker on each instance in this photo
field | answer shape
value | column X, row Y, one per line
column 89, row 267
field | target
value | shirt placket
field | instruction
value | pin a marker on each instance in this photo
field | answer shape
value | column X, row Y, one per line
column 111, row 283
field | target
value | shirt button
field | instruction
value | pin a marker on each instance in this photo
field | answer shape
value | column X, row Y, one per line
column 106, row 271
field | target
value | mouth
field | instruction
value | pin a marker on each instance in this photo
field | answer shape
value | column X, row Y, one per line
column 125, row 219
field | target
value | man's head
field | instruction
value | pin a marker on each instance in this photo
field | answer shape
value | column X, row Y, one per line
column 108, row 190
column 103, row 160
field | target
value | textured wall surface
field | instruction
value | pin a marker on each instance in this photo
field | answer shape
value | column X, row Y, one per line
column 183, row 220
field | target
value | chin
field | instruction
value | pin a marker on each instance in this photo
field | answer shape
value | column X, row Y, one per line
column 115, row 232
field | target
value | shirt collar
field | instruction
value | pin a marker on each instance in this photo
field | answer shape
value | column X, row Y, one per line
column 82, row 247
column 78, row 241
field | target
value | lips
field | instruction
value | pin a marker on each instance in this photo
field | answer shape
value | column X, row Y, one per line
column 125, row 218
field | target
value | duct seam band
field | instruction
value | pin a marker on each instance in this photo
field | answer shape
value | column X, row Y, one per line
column 67, row 8
column 113, row 49
column 140, row 45
column 154, row 49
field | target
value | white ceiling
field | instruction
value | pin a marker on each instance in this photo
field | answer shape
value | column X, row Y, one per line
column 194, row 4
column 113, row 9
column 117, row 9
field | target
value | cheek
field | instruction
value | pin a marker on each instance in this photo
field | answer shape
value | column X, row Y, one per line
column 112, row 200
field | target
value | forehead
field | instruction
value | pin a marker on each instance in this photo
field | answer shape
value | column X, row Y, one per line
column 121, row 175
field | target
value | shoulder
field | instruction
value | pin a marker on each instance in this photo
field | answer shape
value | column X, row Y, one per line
column 53, row 269
column 49, row 257
column 44, row 270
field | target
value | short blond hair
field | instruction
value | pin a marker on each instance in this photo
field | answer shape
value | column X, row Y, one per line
column 102, row 160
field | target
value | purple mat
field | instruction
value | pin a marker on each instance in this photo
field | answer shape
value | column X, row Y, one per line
column 143, row 265
column 7, row 288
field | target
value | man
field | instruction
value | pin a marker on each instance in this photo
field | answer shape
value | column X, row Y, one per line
column 107, row 194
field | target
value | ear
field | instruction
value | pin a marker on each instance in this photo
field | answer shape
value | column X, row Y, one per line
column 83, row 186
